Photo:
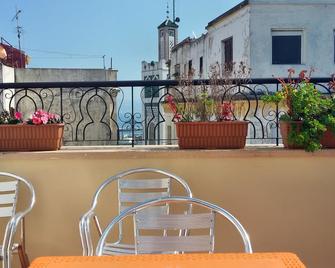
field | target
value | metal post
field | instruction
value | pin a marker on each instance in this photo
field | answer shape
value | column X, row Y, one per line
column 132, row 118
column 61, row 104
column 277, row 120
column 145, row 124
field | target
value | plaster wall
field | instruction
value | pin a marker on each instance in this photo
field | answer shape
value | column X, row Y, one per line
column 285, row 199
column 316, row 21
column 236, row 26
column 6, row 76
column 209, row 45
column 63, row 75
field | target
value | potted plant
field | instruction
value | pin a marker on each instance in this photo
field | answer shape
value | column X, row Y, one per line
column 310, row 118
column 42, row 131
column 203, row 119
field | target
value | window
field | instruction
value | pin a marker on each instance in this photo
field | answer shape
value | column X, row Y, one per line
column 190, row 71
column 286, row 47
column 227, row 53
column 151, row 92
column 171, row 33
column 201, row 65
column 177, row 71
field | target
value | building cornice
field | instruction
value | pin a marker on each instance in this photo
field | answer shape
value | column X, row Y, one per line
column 228, row 13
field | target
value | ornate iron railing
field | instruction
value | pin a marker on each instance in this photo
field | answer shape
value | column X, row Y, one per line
column 134, row 112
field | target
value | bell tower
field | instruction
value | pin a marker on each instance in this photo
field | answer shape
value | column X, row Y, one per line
column 167, row 36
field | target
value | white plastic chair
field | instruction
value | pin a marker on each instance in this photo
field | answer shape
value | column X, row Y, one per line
column 185, row 242
column 140, row 190
column 9, row 187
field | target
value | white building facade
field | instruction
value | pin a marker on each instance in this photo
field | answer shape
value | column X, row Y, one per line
column 269, row 36
column 154, row 127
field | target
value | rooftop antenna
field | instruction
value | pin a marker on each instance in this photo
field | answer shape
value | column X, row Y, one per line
column 104, row 61
column 174, row 10
column 18, row 27
column 175, row 19
column 167, row 10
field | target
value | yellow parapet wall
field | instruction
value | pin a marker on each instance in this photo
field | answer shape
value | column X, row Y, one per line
column 285, row 199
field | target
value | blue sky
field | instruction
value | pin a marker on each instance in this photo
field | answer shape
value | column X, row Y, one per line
column 85, row 30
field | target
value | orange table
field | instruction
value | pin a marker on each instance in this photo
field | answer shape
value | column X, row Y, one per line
column 218, row 260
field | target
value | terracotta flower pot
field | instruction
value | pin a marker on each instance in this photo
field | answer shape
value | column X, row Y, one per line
column 23, row 137
column 327, row 140
column 212, row 135
column 285, row 129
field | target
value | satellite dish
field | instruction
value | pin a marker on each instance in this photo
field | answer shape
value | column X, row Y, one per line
column 177, row 19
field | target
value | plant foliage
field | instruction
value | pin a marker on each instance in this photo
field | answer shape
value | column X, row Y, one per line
column 305, row 103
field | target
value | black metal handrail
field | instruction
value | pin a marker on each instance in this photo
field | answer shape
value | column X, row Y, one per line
column 140, row 83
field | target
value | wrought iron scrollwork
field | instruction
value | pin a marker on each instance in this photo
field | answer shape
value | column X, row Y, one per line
column 103, row 113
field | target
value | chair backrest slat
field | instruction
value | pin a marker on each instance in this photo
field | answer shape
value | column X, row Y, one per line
column 144, row 183
column 7, row 198
column 150, row 211
column 195, row 231
column 8, row 186
column 167, row 244
column 171, row 243
column 140, row 197
column 134, row 186
column 174, row 221
column 6, row 211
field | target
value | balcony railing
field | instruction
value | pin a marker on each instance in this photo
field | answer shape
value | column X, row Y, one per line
column 133, row 112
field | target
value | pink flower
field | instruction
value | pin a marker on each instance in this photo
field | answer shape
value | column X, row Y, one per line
column 36, row 120
column 302, row 74
column 172, row 105
column 332, row 83
column 44, row 119
column 291, row 71
column 169, row 98
column 18, row 115
column 227, row 111
column 38, row 113
column 52, row 116
column 177, row 117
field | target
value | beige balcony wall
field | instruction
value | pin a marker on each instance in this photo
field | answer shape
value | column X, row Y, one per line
column 285, row 199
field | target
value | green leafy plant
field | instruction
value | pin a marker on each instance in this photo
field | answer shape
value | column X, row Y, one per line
column 10, row 117
column 306, row 104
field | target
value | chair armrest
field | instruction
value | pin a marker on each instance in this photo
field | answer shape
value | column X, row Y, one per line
column 11, row 229
column 85, row 233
